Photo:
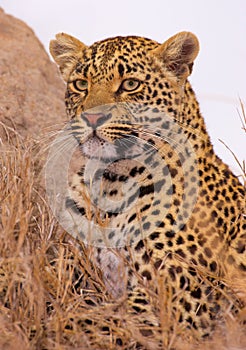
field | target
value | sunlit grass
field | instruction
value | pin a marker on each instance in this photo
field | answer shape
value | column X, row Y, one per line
column 41, row 267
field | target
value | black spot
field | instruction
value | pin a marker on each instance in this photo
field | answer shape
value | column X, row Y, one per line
column 204, row 308
column 160, row 224
column 232, row 210
column 170, row 234
column 121, row 70
column 180, row 253
column 154, row 94
column 109, row 176
column 219, row 222
column 133, row 171
column 88, row 321
column 196, row 293
column 192, row 271
column 192, row 248
column 111, row 235
column 171, row 190
column 144, row 190
column 241, row 247
column 159, row 245
column 69, row 327
column 226, row 212
column 214, row 213
column 141, row 301
column 146, row 225
column 203, row 192
column 165, row 171
column 132, row 218
column 157, row 263
column 156, row 212
column 128, row 69
column 190, row 321
column 141, row 169
column 123, row 178
column 113, row 192
column 147, row 275
column 137, row 232
column 182, row 282
column 180, row 240
column 119, row 342
column 180, row 318
column 147, row 206
column 187, row 306
column 171, row 272
column 170, row 243
column 137, row 309
column 202, row 261
column 146, row 257
column 176, row 202
column 213, row 266
column 179, row 269
column 173, row 172
column 226, row 173
column 170, row 218
column 105, row 329
column 159, row 184
column 90, row 302
column 140, row 245
column 136, row 265
column 154, row 235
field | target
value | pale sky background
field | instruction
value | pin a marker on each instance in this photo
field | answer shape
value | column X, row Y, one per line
column 219, row 74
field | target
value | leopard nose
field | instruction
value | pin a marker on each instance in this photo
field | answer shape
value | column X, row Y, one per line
column 95, row 119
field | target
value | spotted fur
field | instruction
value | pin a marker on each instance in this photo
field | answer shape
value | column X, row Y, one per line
column 128, row 98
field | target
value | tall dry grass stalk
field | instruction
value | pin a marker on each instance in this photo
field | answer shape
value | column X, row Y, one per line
column 51, row 294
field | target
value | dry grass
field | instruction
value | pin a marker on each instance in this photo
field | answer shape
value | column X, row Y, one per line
column 41, row 305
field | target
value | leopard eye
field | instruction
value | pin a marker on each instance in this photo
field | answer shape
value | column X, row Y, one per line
column 80, row 84
column 130, row 84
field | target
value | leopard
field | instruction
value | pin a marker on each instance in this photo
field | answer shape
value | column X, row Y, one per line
column 156, row 204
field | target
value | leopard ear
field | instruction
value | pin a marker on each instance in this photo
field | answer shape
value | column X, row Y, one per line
column 66, row 51
column 178, row 53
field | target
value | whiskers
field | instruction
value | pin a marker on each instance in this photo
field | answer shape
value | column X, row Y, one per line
column 144, row 117
column 145, row 135
column 59, row 138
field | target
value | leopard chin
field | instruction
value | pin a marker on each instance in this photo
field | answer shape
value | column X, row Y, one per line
column 97, row 148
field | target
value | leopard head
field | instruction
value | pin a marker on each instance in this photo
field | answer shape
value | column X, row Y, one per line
column 113, row 83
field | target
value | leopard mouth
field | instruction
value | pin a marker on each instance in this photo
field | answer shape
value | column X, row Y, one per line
column 95, row 147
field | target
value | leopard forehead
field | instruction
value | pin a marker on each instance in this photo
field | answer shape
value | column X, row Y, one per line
column 121, row 44
column 103, row 56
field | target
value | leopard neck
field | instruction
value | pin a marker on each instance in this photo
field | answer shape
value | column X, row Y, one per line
column 193, row 124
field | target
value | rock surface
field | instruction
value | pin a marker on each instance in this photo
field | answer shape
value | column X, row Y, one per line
column 31, row 90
